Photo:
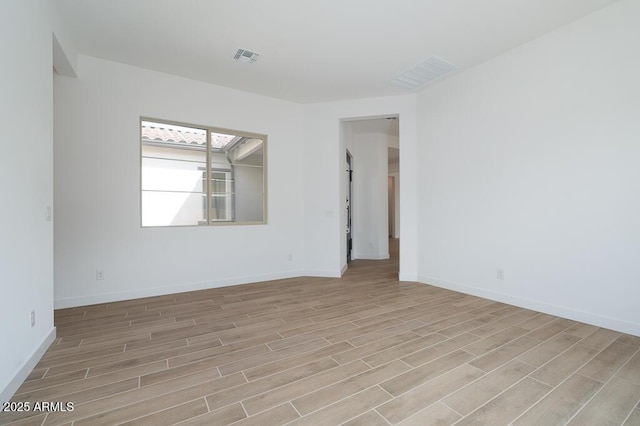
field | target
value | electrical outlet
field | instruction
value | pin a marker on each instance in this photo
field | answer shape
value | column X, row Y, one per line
column 48, row 215
column 33, row 318
column 290, row 256
column 500, row 274
column 370, row 244
column 99, row 274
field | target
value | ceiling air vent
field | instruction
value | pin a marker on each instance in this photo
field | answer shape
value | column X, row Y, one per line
column 423, row 73
column 246, row 56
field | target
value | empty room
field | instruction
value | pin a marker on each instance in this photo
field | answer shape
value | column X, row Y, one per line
column 320, row 212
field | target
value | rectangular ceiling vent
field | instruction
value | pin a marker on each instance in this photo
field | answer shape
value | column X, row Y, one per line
column 423, row 73
column 246, row 56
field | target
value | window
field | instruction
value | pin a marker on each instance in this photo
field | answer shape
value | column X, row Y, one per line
column 193, row 175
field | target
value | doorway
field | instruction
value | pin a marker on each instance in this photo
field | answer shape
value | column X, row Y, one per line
column 392, row 206
column 371, row 147
column 349, row 179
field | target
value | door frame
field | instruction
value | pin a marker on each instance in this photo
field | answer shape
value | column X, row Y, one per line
column 349, row 204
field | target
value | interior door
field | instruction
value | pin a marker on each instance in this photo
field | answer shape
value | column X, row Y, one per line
column 349, row 179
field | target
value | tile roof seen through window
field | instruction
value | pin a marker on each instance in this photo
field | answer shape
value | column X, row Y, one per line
column 160, row 132
column 172, row 134
column 220, row 140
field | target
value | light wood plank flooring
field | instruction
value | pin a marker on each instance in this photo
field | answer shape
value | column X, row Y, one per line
column 361, row 350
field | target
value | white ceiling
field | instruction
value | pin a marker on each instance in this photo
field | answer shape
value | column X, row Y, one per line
column 310, row 50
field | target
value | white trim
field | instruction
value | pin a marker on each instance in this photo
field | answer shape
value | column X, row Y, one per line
column 71, row 302
column 27, row 367
column 407, row 277
column 177, row 288
column 344, row 269
column 536, row 305
column 371, row 256
column 322, row 274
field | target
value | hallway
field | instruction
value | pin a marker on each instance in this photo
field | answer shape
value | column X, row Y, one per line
column 387, row 268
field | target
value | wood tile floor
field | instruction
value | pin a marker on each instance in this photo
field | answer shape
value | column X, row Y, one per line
column 361, row 350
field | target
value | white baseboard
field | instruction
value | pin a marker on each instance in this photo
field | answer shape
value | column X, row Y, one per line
column 322, row 274
column 364, row 256
column 177, row 288
column 616, row 324
column 71, row 302
column 344, row 269
column 27, row 367
column 407, row 277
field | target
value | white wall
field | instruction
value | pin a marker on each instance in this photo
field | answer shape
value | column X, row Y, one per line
column 26, row 173
column 396, row 206
column 97, row 185
column 531, row 164
column 370, row 192
column 160, row 172
column 394, row 171
column 325, row 184
column 248, row 188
